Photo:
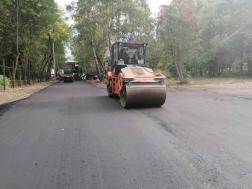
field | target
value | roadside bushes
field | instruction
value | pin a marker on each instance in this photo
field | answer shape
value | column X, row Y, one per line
column 7, row 81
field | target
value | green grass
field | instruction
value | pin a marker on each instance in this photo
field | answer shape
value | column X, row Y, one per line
column 210, row 81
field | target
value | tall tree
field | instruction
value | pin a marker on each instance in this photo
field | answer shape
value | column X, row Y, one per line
column 177, row 35
column 100, row 22
column 27, row 30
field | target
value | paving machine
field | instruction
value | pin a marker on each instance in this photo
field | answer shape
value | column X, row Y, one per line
column 128, row 79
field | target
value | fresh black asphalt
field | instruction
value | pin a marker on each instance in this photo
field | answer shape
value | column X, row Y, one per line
column 72, row 136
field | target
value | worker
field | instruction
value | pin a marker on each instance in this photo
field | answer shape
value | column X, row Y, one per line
column 124, row 55
column 135, row 57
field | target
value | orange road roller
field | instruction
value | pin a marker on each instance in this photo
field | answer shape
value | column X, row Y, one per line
column 128, row 78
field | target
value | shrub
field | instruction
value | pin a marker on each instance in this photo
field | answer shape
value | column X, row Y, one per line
column 7, row 81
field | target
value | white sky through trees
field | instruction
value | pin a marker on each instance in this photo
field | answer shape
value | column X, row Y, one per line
column 154, row 4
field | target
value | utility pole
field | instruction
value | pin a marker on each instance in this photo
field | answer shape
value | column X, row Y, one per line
column 54, row 61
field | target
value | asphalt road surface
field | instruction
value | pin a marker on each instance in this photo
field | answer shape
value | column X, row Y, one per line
column 72, row 136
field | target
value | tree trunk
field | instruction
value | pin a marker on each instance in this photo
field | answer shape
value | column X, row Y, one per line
column 54, row 61
column 177, row 64
column 17, row 44
column 96, row 58
column 29, row 71
column 26, row 67
column 46, row 60
column 250, row 68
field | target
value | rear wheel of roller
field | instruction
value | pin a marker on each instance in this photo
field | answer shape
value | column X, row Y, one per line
column 109, row 89
column 123, row 98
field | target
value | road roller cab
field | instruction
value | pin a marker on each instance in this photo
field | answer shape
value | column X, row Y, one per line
column 129, row 80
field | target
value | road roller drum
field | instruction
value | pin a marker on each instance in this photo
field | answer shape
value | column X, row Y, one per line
column 143, row 96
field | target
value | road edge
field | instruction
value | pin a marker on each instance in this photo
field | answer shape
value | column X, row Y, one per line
column 6, row 106
column 97, row 84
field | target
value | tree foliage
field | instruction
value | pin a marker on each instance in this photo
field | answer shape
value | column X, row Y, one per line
column 226, row 36
column 206, row 38
column 190, row 38
column 101, row 22
column 27, row 30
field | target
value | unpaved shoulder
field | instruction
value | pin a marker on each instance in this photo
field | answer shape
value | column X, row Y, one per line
column 11, row 95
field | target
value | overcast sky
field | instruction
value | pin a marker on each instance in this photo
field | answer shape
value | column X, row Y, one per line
column 154, row 4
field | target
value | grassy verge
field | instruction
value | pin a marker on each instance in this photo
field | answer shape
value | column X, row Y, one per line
column 210, row 81
column 225, row 82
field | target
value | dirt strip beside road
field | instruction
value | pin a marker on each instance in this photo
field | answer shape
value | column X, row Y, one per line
column 11, row 95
